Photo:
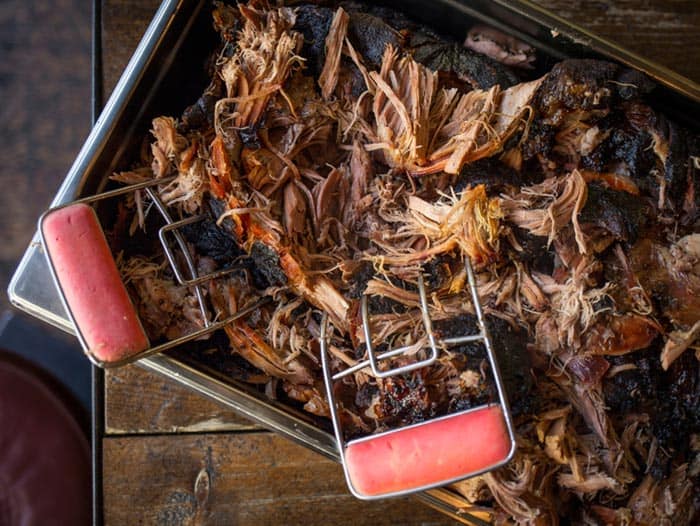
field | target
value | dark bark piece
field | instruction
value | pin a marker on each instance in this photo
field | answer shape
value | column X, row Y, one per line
column 439, row 270
column 634, row 149
column 213, row 241
column 632, row 83
column 490, row 172
column 314, row 23
column 358, row 279
column 462, row 325
column 392, row 17
column 370, row 35
column 268, row 262
column 619, row 213
column 539, row 140
column 670, row 398
column 405, row 400
column 677, row 165
column 510, row 348
column 218, row 243
column 536, row 254
column 201, row 113
column 691, row 203
column 576, row 85
column 586, row 85
column 452, row 59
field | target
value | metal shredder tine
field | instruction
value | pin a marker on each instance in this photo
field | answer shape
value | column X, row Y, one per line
column 374, row 359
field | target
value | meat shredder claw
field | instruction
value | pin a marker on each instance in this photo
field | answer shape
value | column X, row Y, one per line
column 98, row 297
column 428, row 454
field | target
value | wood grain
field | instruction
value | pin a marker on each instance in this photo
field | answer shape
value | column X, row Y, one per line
column 663, row 31
column 123, row 24
column 138, row 401
column 45, row 112
column 236, row 479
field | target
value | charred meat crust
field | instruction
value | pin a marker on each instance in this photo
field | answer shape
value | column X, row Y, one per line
column 313, row 22
column 466, row 65
column 535, row 252
column 268, row 262
column 511, row 351
column 620, row 213
column 209, row 240
column 490, row 172
column 576, row 85
column 371, row 31
column 201, row 113
column 581, row 85
column 212, row 241
column 632, row 147
column 367, row 33
column 671, row 399
column 371, row 35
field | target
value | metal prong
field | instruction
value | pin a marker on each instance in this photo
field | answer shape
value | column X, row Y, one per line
column 326, row 368
column 116, row 192
column 185, row 252
column 208, row 329
column 171, row 257
column 463, row 339
column 427, row 323
column 490, row 352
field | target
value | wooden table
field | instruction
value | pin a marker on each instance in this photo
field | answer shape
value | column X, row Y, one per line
column 173, row 458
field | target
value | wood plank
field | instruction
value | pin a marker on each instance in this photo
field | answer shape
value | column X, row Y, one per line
column 123, row 24
column 666, row 32
column 139, row 401
column 242, row 479
column 45, row 89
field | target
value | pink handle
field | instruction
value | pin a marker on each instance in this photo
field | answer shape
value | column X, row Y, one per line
column 438, row 451
column 91, row 283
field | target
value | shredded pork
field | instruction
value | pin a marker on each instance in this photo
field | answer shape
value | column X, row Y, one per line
column 321, row 187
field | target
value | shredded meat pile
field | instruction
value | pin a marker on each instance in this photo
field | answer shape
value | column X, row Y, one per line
column 343, row 151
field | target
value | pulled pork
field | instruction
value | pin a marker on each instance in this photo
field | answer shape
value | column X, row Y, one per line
column 337, row 154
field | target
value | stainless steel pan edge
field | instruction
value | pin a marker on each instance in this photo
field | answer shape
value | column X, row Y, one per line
column 32, row 289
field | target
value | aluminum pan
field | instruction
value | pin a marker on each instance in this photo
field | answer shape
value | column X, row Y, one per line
column 134, row 100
